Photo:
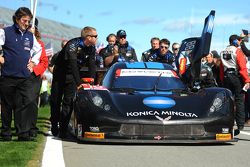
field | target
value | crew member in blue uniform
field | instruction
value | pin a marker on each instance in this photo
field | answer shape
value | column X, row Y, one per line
column 126, row 51
column 78, row 52
column 163, row 55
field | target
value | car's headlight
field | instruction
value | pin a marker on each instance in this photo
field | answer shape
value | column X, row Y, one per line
column 96, row 99
column 218, row 102
column 99, row 102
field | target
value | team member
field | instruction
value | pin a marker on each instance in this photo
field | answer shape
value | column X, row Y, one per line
column 155, row 43
column 53, row 58
column 163, row 55
column 236, row 76
column 175, row 48
column 78, row 52
column 18, row 45
column 126, row 52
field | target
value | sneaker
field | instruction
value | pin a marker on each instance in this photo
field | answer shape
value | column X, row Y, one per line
column 240, row 127
column 236, row 132
column 247, row 123
column 25, row 137
column 54, row 130
column 62, row 135
column 33, row 134
column 7, row 138
column 22, row 138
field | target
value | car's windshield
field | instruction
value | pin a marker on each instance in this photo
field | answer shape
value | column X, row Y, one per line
column 147, row 79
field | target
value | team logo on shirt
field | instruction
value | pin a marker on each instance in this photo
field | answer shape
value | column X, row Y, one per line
column 26, row 43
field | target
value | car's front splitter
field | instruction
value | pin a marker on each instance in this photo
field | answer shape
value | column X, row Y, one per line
column 171, row 141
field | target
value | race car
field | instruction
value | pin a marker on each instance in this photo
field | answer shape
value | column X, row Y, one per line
column 147, row 102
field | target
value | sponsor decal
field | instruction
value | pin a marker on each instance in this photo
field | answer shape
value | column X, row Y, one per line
column 223, row 137
column 94, row 129
column 165, row 120
column 26, row 43
column 145, row 72
column 159, row 102
column 161, row 113
column 183, row 62
column 92, row 135
column 79, row 128
column 225, row 130
column 157, row 137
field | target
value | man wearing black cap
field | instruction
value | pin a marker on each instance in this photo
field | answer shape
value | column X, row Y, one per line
column 126, row 52
column 236, row 77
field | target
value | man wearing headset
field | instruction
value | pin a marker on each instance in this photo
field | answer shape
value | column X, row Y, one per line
column 235, row 76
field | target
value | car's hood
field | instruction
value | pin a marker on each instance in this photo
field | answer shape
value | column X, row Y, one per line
column 162, row 104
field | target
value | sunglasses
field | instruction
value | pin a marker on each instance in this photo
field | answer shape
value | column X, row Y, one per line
column 175, row 48
column 95, row 36
column 123, row 36
column 166, row 47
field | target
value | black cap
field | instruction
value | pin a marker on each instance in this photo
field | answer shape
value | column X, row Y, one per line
column 233, row 37
column 215, row 54
column 36, row 23
column 121, row 33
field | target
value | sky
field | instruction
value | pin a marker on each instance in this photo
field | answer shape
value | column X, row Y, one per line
column 144, row 19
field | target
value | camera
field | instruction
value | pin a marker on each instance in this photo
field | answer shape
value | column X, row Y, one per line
column 245, row 32
column 110, row 49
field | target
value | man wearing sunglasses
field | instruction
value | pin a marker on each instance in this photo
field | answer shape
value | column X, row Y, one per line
column 175, row 48
column 20, row 47
column 163, row 55
column 78, row 52
column 126, row 52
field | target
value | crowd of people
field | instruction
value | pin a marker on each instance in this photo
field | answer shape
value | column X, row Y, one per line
column 24, row 61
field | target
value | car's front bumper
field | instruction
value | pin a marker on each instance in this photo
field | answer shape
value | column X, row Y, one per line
column 209, row 130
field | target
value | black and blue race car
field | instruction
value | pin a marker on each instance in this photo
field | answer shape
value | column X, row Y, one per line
column 148, row 102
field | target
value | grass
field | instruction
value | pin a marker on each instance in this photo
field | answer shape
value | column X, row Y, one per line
column 26, row 154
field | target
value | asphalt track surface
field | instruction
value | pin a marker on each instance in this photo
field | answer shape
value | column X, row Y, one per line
column 72, row 154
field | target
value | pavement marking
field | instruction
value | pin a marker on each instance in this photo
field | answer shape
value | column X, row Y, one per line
column 244, row 133
column 53, row 153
